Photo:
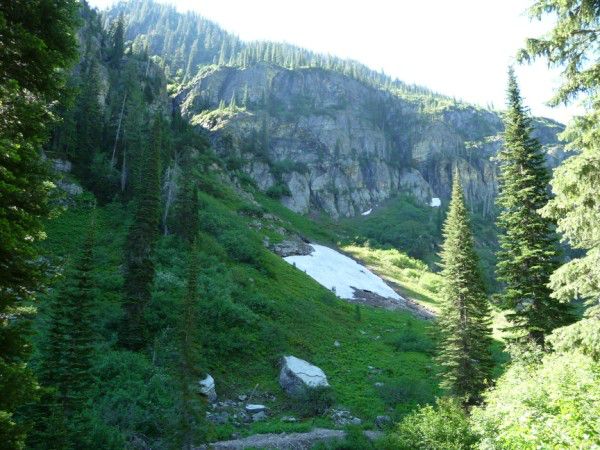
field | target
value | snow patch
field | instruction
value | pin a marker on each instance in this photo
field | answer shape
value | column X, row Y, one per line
column 337, row 271
column 366, row 213
column 435, row 202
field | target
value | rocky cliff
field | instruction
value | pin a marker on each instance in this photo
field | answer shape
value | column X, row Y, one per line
column 320, row 140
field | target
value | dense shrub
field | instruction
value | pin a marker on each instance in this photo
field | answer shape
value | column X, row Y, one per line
column 312, row 402
column 406, row 391
column 444, row 426
column 552, row 401
column 241, row 248
column 410, row 341
column 278, row 190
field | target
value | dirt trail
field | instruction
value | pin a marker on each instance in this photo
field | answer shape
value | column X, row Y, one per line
column 286, row 441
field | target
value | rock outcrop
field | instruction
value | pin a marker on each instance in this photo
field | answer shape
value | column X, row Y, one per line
column 323, row 141
column 207, row 388
column 298, row 375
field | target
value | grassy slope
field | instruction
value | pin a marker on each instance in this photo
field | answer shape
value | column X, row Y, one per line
column 305, row 318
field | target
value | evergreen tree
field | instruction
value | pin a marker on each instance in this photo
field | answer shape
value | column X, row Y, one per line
column 32, row 63
column 88, row 126
column 464, row 319
column 576, row 204
column 143, row 232
column 189, row 349
column 118, row 43
column 67, row 356
column 528, row 246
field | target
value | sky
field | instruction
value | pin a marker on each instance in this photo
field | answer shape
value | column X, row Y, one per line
column 460, row 48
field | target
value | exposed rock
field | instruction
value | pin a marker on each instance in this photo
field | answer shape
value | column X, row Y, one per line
column 289, row 419
column 383, row 422
column 207, row 388
column 337, row 344
column 259, row 416
column 71, row 189
column 253, row 409
column 291, row 247
column 343, row 418
column 62, row 165
column 242, row 397
column 218, row 418
column 297, row 375
column 341, row 146
column 364, row 297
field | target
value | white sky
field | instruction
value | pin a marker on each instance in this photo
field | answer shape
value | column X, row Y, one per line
column 459, row 48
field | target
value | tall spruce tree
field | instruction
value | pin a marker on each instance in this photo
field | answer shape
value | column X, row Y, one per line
column 576, row 203
column 32, row 62
column 464, row 320
column 189, row 351
column 139, row 249
column 529, row 251
column 67, row 354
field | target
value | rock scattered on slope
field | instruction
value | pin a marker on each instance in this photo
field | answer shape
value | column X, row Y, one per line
column 207, row 388
column 297, row 375
column 291, row 247
column 342, row 418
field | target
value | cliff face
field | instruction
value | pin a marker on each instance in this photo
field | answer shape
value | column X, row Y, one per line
column 323, row 141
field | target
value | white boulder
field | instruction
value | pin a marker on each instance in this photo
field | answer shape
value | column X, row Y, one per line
column 298, row 375
column 207, row 388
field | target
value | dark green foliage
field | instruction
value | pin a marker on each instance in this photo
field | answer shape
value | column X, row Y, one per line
column 241, row 248
column 32, row 62
column 312, row 402
column 409, row 340
column 463, row 353
column 188, row 41
column 406, row 391
column 139, row 265
column 528, row 246
column 443, row 426
column 67, row 358
column 118, row 43
column 189, row 351
column 67, row 354
column 278, row 190
column 88, row 128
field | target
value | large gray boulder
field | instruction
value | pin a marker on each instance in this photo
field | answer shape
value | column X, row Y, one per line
column 298, row 375
column 207, row 388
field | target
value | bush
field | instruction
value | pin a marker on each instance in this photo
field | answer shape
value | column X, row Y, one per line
column 410, row 341
column 278, row 190
column 312, row 402
column 547, row 402
column 241, row 248
column 406, row 390
column 444, row 426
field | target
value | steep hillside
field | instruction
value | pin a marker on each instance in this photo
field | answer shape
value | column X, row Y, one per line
column 318, row 132
column 324, row 141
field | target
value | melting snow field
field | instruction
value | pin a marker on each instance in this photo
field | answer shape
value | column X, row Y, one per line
column 333, row 269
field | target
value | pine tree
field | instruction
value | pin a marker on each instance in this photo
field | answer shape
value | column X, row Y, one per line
column 32, row 63
column 118, row 43
column 189, row 348
column 68, row 352
column 143, row 232
column 529, row 250
column 88, row 126
column 464, row 319
column 575, row 182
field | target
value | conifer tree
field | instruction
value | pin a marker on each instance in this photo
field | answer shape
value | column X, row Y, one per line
column 67, row 357
column 189, row 349
column 576, row 203
column 529, row 250
column 118, row 43
column 143, row 232
column 32, row 63
column 464, row 319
